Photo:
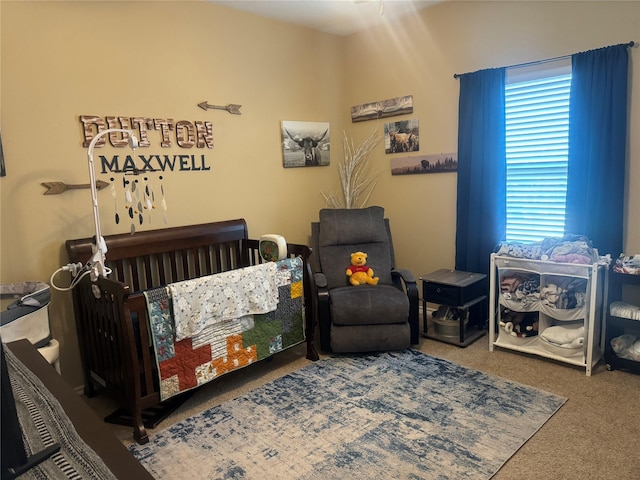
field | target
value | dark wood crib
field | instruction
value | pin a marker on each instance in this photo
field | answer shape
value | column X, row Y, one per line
column 112, row 326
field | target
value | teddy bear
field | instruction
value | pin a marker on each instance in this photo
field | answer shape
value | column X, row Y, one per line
column 358, row 272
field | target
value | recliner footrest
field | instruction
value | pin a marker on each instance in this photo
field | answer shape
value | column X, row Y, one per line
column 369, row 338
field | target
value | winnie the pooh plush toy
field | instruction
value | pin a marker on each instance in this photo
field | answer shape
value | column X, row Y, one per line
column 358, row 272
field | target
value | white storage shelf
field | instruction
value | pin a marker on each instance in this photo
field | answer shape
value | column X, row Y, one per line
column 617, row 325
column 564, row 294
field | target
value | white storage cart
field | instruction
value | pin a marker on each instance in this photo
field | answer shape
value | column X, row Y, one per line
column 567, row 309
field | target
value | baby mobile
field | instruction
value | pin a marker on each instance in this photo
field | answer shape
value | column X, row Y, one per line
column 140, row 199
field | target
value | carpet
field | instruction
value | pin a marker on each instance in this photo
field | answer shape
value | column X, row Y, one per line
column 403, row 415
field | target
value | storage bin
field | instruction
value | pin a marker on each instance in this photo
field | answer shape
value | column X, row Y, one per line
column 28, row 317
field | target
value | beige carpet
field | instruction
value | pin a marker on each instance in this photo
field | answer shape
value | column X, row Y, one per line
column 593, row 436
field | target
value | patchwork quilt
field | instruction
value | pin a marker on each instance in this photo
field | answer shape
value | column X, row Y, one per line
column 225, row 345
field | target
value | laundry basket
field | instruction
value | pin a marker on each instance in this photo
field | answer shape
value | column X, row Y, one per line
column 28, row 317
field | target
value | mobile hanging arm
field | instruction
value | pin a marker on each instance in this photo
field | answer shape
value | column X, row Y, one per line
column 97, row 261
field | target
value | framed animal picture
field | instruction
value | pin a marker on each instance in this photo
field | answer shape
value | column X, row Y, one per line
column 305, row 144
column 383, row 108
column 431, row 163
column 402, row 137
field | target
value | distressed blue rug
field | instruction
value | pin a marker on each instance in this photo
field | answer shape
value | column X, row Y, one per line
column 383, row 416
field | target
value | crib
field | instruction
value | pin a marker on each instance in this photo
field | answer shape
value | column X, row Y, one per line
column 114, row 335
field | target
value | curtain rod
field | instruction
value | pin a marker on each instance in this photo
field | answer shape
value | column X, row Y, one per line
column 536, row 62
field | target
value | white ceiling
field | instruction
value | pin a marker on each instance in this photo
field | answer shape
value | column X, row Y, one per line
column 339, row 17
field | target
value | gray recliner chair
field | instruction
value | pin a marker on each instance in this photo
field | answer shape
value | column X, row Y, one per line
column 362, row 318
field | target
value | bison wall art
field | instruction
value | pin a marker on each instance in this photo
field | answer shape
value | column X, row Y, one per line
column 435, row 163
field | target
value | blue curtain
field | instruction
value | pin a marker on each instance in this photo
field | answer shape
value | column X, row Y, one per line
column 597, row 147
column 481, row 200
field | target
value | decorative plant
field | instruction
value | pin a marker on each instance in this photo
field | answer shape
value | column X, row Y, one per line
column 355, row 174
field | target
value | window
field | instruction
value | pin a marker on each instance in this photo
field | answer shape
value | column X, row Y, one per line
column 537, row 148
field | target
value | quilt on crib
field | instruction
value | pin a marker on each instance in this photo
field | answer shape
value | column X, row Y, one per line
column 227, row 345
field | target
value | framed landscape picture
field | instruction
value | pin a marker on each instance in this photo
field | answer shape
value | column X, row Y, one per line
column 436, row 163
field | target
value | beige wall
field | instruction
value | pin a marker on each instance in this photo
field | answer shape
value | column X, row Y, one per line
column 61, row 60
column 420, row 57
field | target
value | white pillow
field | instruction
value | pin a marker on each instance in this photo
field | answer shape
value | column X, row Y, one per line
column 562, row 334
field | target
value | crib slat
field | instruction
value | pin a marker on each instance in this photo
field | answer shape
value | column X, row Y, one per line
column 207, row 260
column 173, row 277
column 185, row 264
column 162, row 279
column 218, row 257
column 118, row 267
column 197, row 271
column 148, row 272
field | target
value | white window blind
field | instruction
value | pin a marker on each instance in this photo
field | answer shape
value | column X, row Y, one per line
column 537, row 146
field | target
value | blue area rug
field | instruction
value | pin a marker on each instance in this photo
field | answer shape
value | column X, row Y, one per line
column 383, row 416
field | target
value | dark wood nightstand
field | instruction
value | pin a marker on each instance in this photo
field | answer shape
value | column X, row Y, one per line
column 465, row 291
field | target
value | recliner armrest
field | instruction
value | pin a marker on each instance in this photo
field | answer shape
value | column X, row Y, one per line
column 405, row 274
column 322, row 308
column 402, row 276
column 320, row 280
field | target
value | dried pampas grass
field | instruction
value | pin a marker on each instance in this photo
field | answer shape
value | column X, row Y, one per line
column 355, row 174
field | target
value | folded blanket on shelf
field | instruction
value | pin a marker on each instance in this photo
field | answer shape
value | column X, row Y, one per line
column 625, row 310
column 520, row 287
column 566, row 249
column 570, row 335
column 565, row 293
column 629, row 264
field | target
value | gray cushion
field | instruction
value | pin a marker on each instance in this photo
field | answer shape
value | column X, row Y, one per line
column 345, row 231
column 368, row 305
column 340, row 226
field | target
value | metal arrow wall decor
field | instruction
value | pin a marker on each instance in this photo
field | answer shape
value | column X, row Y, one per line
column 231, row 108
column 54, row 188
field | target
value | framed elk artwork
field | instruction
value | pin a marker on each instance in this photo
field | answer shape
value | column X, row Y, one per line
column 305, row 144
